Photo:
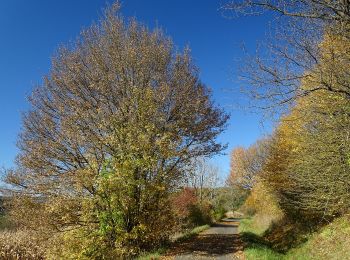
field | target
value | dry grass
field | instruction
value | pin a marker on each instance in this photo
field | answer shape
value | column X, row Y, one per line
column 21, row 244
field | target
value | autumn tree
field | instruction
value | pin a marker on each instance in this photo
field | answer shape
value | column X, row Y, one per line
column 309, row 165
column 110, row 131
column 247, row 164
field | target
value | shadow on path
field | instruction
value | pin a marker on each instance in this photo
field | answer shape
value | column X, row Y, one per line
column 211, row 245
column 220, row 241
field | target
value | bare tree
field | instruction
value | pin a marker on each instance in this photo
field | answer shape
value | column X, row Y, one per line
column 273, row 76
column 204, row 178
column 324, row 10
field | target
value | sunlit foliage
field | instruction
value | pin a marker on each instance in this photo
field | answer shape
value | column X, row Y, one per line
column 107, row 139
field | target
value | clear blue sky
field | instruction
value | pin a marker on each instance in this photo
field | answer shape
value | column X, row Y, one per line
column 30, row 31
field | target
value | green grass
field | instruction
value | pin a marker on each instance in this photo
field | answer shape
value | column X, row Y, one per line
column 152, row 255
column 331, row 242
column 259, row 252
column 248, row 225
column 256, row 246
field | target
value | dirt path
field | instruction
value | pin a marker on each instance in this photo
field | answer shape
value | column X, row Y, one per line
column 221, row 241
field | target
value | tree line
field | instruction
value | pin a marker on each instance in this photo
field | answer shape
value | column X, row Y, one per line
column 304, row 163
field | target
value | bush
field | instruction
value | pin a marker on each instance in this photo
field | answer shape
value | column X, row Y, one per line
column 219, row 212
column 200, row 214
column 182, row 202
column 190, row 212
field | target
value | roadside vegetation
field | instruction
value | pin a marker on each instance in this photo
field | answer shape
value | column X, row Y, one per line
column 297, row 178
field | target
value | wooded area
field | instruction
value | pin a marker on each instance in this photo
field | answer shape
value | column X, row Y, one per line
column 302, row 183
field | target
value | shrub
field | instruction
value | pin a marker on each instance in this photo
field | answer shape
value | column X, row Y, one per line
column 219, row 212
column 200, row 214
column 182, row 202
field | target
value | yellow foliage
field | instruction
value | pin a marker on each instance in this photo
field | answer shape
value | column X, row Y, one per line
column 262, row 201
column 307, row 166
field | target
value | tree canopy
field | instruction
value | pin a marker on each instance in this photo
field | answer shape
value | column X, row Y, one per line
column 112, row 127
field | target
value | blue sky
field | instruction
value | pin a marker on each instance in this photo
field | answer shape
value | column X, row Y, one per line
column 30, row 32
